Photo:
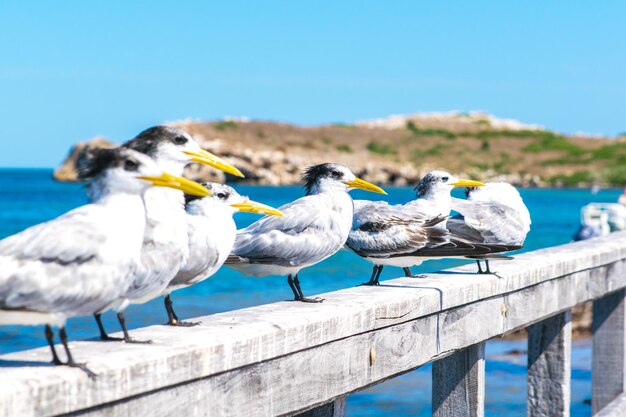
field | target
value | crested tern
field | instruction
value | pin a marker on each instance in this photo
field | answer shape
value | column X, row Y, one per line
column 314, row 228
column 493, row 214
column 165, row 247
column 212, row 231
column 80, row 262
column 408, row 234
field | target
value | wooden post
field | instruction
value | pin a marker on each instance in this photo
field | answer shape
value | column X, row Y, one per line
column 549, row 366
column 336, row 408
column 609, row 361
column 459, row 383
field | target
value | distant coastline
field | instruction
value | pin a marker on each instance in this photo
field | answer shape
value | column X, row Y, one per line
column 399, row 150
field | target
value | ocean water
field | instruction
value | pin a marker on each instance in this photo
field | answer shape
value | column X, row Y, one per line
column 28, row 197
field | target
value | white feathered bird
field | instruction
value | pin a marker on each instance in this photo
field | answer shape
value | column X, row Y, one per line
column 212, row 232
column 493, row 214
column 314, row 228
column 165, row 246
column 82, row 262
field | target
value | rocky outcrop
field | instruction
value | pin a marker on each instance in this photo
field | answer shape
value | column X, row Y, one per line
column 67, row 170
column 398, row 150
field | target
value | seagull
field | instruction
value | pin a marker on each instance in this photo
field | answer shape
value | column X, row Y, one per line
column 212, row 231
column 493, row 214
column 81, row 262
column 314, row 228
column 408, row 234
column 165, row 247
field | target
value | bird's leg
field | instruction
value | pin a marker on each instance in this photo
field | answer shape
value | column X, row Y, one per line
column 70, row 359
column 296, row 295
column 480, row 269
column 487, row 270
column 122, row 319
column 304, row 299
column 50, row 339
column 172, row 318
column 375, row 274
column 380, row 270
column 103, row 334
column 409, row 274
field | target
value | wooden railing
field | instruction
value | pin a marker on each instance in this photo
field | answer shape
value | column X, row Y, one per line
column 292, row 358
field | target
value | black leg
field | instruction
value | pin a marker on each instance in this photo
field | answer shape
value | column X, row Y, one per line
column 172, row 318
column 304, row 299
column 380, row 270
column 487, row 271
column 122, row 319
column 296, row 295
column 70, row 359
column 480, row 269
column 103, row 334
column 407, row 271
column 50, row 339
column 375, row 275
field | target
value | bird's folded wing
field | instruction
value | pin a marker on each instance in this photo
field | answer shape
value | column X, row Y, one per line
column 496, row 223
column 306, row 234
column 458, row 248
column 380, row 230
column 69, row 239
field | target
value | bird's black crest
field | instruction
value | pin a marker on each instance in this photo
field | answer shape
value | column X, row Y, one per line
column 313, row 173
column 425, row 183
column 189, row 198
column 148, row 141
column 93, row 161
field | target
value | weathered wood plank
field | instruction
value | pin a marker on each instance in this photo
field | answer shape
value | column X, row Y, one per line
column 549, row 366
column 459, row 383
column 609, row 350
column 616, row 408
column 408, row 322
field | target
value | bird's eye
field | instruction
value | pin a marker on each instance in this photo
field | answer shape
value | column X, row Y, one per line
column 131, row 165
column 336, row 174
column 444, row 179
column 180, row 140
column 223, row 196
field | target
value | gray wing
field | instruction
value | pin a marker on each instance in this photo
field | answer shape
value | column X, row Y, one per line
column 308, row 233
column 380, row 230
column 68, row 239
column 494, row 222
column 54, row 266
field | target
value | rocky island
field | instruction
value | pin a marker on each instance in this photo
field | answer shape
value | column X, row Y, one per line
column 398, row 150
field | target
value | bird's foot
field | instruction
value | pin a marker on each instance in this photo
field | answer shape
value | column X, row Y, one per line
column 57, row 361
column 370, row 283
column 311, row 300
column 82, row 367
column 138, row 342
column 497, row 274
column 107, row 338
column 178, row 323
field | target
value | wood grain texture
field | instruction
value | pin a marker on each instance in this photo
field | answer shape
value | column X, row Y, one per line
column 608, row 350
column 549, row 366
column 616, row 408
column 239, row 362
column 459, row 383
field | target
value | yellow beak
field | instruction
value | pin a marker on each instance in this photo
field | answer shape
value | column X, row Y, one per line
column 254, row 207
column 178, row 183
column 207, row 158
column 468, row 183
column 364, row 185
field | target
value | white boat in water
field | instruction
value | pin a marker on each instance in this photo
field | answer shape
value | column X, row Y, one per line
column 600, row 219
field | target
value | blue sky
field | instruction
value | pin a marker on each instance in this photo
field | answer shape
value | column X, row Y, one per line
column 71, row 70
